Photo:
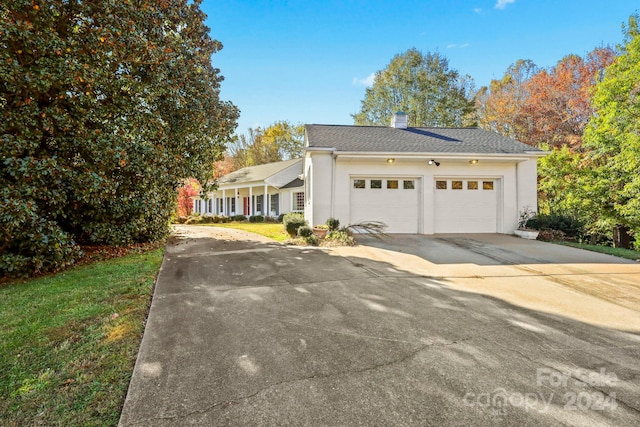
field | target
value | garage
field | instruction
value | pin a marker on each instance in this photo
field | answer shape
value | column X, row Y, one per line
column 466, row 205
column 394, row 201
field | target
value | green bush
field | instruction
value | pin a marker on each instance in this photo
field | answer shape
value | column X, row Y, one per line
column 292, row 221
column 239, row 218
column 30, row 244
column 333, row 224
column 305, row 231
column 569, row 225
column 281, row 217
column 256, row 218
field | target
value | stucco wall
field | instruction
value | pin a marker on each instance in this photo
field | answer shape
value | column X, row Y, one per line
column 516, row 186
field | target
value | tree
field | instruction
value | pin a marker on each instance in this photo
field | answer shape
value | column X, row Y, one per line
column 190, row 189
column 501, row 107
column 287, row 137
column 612, row 138
column 421, row 85
column 106, row 107
column 280, row 141
column 558, row 106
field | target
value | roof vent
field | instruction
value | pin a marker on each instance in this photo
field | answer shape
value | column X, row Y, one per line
column 399, row 120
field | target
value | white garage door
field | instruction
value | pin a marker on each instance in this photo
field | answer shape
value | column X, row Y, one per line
column 392, row 200
column 466, row 205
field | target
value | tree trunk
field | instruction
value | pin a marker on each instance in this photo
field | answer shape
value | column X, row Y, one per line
column 621, row 237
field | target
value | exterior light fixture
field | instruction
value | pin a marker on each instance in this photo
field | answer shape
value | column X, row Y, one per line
column 391, row 160
column 433, row 162
column 473, row 162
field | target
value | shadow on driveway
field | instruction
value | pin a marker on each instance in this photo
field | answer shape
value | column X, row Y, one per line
column 253, row 333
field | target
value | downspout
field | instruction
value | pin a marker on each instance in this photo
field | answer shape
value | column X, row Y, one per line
column 333, row 184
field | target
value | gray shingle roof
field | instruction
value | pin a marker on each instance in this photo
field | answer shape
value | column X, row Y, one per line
column 276, row 174
column 413, row 140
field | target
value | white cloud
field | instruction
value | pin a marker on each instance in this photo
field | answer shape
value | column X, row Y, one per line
column 477, row 10
column 457, row 46
column 501, row 4
column 367, row 81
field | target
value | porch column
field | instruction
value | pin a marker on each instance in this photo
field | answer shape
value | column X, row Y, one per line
column 224, row 203
column 265, row 203
column 235, row 194
column 250, row 200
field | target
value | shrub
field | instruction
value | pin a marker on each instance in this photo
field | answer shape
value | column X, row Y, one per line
column 239, row 218
column 292, row 221
column 194, row 219
column 32, row 244
column 569, row 225
column 339, row 238
column 256, row 218
column 333, row 224
column 281, row 217
column 181, row 219
column 305, row 231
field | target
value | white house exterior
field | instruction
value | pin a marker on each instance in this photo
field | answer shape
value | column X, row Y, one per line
column 268, row 190
column 418, row 180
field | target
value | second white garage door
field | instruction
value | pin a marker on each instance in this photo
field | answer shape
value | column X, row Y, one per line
column 392, row 200
column 466, row 205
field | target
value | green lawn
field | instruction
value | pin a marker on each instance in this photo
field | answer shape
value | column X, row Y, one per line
column 271, row 230
column 68, row 342
column 619, row 252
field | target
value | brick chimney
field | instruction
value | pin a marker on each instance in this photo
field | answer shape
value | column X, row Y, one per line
column 399, row 120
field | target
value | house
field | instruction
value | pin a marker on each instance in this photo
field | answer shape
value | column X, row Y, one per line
column 268, row 190
column 418, row 180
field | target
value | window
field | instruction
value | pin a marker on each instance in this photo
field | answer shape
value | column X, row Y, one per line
column 233, row 204
column 409, row 185
column 392, row 184
column 298, row 201
column 487, row 185
column 376, row 183
column 456, row 185
column 220, row 206
column 258, row 208
column 359, row 183
column 472, row 185
column 274, row 205
column 441, row 185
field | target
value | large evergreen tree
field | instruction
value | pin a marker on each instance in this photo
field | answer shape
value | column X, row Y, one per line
column 421, row 85
column 106, row 106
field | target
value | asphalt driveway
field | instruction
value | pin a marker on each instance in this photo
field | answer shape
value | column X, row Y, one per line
column 413, row 330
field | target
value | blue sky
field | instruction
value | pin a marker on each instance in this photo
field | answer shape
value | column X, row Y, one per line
column 310, row 61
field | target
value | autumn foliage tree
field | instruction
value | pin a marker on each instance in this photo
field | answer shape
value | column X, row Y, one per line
column 106, row 107
column 189, row 189
column 281, row 140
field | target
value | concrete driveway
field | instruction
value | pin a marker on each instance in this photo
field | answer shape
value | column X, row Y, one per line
column 413, row 330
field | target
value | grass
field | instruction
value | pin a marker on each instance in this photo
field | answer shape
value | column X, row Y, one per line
column 271, row 230
column 68, row 341
column 619, row 252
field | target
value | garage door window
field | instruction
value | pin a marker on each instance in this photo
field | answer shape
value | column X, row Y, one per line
column 359, row 183
column 456, row 185
column 392, row 184
column 487, row 185
column 376, row 183
column 409, row 185
column 472, row 185
column 441, row 185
